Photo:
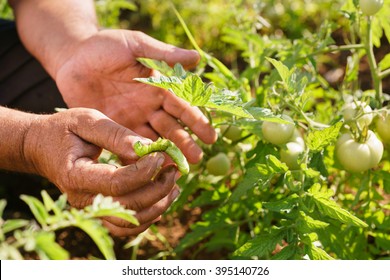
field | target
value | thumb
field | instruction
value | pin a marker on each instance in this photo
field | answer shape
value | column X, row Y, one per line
column 148, row 47
column 96, row 128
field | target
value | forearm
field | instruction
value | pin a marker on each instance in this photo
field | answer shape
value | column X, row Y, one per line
column 51, row 29
column 14, row 126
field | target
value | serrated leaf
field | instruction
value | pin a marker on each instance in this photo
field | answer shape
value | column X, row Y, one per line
column 201, row 230
column 307, row 224
column 163, row 82
column 228, row 101
column 286, row 253
column 330, row 208
column 316, row 253
column 261, row 245
column 286, row 204
column 319, row 139
column 251, row 179
column 275, row 165
column 282, row 69
column 264, row 114
column 160, row 66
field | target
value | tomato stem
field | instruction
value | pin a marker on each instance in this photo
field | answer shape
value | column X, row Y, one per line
column 372, row 62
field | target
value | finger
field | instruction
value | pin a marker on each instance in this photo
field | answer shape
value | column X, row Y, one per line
column 149, row 214
column 169, row 128
column 190, row 116
column 145, row 46
column 123, row 232
column 98, row 129
column 88, row 176
column 151, row 193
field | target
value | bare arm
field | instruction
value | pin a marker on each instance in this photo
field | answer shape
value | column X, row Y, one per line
column 14, row 126
column 52, row 29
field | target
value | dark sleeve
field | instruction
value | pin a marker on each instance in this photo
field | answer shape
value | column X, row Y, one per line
column 24, row 83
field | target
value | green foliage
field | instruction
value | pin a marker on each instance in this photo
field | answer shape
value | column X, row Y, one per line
column 261, row 209
column 17, row 234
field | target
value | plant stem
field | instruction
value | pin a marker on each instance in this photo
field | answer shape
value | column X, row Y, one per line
column 376, row 79
column 384, row 74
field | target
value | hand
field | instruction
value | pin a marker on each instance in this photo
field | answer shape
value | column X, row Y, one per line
column 99, row 74
column 64, row 148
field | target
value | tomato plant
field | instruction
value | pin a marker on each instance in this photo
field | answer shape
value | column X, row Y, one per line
column 298, row 171
column 278, row 133
column 370, row 7
column 218, row 165
column 306, row 158
column 358, row 156
column 383, row 128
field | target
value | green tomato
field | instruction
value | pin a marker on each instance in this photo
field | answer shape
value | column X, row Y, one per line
column 289, row 155
column 218, row 165
column 354, row 109
column 370, row 7
column 383, row 128
column 359, row 157
column 231, row 132
column 278, row 133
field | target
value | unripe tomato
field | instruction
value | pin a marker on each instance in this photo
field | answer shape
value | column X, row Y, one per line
column 231, row 132
column 297, row 138
column 218, row 165
column 290, row 154
column 383, row 128
column 370, row 7
column 278, row 133
column 359, row 157
column 354, row 109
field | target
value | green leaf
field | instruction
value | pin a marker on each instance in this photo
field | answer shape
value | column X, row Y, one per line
column 286, row 253
column 160, row 66
column 319, row 139
column 275, row 165
column 316, row 253
column 10, row 225
column 286, row 204
column 228, row 101
column 283, row 70
column 99, row 235
column 106, row 207
column 201, row 230
column 3, row 204
column 37, row 208
column 47, row 201
column 330, row 208
column 261, row 245
column 195, row 91
column 264, row 114
column 251, row 178
column 385, row 62
column 307, row 224
column 47, row 248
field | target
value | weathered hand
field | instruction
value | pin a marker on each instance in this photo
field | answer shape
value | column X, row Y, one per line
column 99, row 74
column 64, row 148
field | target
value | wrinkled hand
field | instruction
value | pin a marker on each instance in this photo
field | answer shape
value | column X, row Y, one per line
column 99, row 74
column 64, row 148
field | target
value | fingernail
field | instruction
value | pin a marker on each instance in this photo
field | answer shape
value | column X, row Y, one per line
column 177, row 176
column 175, row 193
column 160, row 160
